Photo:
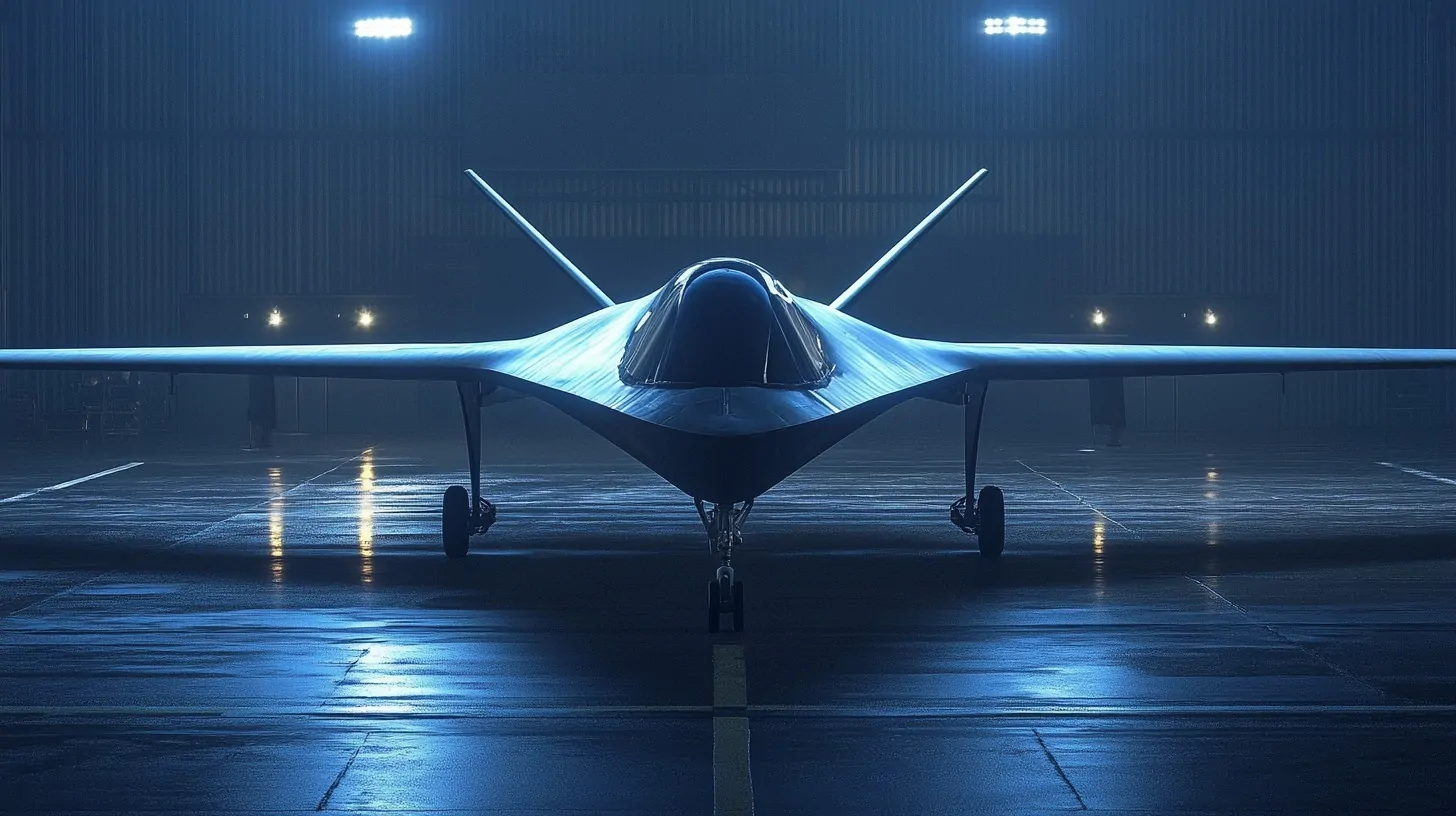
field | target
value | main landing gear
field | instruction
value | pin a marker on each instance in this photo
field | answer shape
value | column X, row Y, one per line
column 986, row 517
column 465, row 514
column 724, row 523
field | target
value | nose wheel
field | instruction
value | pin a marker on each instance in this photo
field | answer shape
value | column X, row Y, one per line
column 724, row 523
column 725, row 596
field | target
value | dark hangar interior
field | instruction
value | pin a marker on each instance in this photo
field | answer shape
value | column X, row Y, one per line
column 1219, row 594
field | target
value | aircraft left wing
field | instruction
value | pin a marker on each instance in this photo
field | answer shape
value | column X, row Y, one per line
column 1074, row 361
column 403, row 361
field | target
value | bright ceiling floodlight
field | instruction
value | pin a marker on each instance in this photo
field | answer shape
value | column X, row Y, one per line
column 275, row 318
column 1098, row 318
column 384, row 28
column 366, row 318
column 1210, row 318
column 1015, row 26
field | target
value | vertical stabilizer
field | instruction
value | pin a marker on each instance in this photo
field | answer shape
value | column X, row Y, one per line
column 535, row 235
column 904, row 243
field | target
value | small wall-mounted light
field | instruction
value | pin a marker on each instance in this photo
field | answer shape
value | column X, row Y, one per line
column 1210, row 318
column 384, row 28
column 275, row 319
column 365, row 319
column 1099, row 318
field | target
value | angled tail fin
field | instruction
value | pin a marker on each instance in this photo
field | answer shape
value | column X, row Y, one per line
column 895, row 251
column 535, row 235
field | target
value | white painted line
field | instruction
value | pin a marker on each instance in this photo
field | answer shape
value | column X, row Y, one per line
column 1421, row 473
column 730, row 677
column 732, row 781
column 63, row 485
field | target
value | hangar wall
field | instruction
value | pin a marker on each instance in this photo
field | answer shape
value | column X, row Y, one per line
column 156, row 150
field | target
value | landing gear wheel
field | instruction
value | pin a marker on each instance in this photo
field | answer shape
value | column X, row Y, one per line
column 991, row 521
column 455, row 522
column 738, row 606
column 715, row 605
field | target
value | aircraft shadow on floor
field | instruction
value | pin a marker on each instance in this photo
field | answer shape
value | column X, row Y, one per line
column 649, row 566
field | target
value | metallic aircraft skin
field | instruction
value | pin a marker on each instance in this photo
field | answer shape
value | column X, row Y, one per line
column 724, row 444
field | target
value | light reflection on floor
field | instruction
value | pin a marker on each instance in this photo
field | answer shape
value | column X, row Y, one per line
column 276, row 492
column 366, row 517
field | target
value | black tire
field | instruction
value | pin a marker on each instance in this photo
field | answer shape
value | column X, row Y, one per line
column 991, row 534
column 715, row 605
column 738, row 606
column 455, row 522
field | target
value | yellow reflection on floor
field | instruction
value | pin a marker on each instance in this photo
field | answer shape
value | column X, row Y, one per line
column 1099, row 541
column 275, row 522
column 366, row 517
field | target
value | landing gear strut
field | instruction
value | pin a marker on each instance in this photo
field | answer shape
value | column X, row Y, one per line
column 986, row 517
column 724, row 523
column 466, row 514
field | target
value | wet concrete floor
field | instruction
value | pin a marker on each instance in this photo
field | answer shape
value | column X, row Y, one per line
column 1174, row 628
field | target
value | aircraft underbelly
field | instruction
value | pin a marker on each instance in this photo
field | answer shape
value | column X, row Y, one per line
column 724, row 445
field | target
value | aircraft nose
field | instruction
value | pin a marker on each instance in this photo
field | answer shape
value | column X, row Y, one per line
column 723, row 329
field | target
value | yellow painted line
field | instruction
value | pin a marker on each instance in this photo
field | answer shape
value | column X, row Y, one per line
column 732, row 781
column 63, row 485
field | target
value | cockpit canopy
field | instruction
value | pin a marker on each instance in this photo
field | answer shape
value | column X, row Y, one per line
column 725, row 322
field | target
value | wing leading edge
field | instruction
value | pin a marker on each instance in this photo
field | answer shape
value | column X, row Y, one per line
column 402, row 361
column 1068, row 361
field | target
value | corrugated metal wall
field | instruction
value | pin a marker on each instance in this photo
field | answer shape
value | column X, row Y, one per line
column 1298, row 150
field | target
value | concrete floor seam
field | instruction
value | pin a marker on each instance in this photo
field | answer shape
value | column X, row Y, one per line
column 1416, row 472
column 343, row 677
column 338, row 780
column 1058, row 485
column 1057, row 766
column 61, row 594
column 1313, row 655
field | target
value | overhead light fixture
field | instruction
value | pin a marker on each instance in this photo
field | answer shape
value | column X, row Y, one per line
column 1098, row 318
column 365, row 319
column 1016, row 26
column 275, row 318
column 384, row 28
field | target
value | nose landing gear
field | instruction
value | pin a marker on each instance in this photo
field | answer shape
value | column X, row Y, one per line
column 724, row 523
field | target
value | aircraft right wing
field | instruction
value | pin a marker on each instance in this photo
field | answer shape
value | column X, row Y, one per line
column 1071, row 361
